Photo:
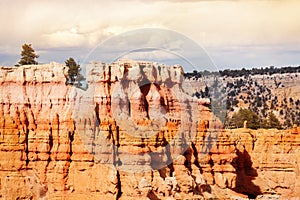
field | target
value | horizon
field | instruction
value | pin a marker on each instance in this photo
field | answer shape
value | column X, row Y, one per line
column 168, row 65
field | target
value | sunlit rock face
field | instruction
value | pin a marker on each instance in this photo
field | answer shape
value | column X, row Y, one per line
column 133, row 133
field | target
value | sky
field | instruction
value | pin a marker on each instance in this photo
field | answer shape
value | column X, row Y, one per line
column 231, row 33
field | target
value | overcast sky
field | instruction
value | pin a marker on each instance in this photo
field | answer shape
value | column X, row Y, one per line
column 234, row 34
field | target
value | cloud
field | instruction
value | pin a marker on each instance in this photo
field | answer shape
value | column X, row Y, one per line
column 64, row 38
column 156, row 55
column 57, row 25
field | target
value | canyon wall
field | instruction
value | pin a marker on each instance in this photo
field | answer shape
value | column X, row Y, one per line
column 133, row 133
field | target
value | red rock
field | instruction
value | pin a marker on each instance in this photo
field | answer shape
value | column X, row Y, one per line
column 143, row 148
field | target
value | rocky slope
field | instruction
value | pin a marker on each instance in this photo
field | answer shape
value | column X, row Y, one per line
column 262, row 93
column 134, row 133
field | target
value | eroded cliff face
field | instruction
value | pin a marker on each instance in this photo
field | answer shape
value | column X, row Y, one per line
column 134, row 133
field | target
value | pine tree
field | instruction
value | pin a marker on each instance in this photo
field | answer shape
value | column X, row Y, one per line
column 237, row 120
column 273, row 121
column 74, row 76
column 28, row 55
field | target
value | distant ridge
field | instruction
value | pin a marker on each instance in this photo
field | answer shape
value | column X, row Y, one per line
column 244, row 72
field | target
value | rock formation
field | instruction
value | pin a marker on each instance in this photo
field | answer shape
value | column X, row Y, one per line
column 134, row 133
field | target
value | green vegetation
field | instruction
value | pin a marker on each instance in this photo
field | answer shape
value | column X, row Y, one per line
column 28, row 55
column 237, row 119
column 240, row 89
column 253, row 120
column 243, row 72
column 74, row 75
column 273, row 121
column 255, row 71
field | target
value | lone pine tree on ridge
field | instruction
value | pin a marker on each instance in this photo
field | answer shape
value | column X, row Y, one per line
column 28, row 55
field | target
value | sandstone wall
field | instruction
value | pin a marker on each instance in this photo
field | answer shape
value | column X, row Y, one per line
column 133, row 133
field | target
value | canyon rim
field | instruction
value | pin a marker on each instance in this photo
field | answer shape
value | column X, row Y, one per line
column 49, row 152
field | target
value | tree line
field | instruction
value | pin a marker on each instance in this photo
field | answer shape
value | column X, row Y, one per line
column 259, row 71
column 243, row 72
